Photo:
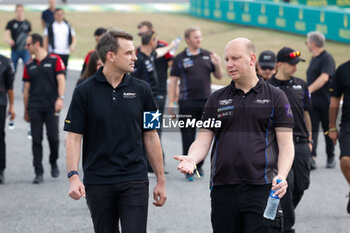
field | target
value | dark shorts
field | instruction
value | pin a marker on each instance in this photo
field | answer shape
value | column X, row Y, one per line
column 344, row 139
column 124, row 204
column 240, row 208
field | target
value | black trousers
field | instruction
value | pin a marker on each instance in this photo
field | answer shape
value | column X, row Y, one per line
column 193, row 108
column 298, row 181
column 38, row 118
column 2, row 138
column 320, row 114
column 239, row 209
column 64, row 58
column 125, row 202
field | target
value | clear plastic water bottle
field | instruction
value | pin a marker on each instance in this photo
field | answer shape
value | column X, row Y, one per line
column 29, row 133
column 177, row 42
column 11, row 123
column 272, row 204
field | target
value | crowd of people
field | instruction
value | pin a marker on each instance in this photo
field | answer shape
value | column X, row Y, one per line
column 264, row 106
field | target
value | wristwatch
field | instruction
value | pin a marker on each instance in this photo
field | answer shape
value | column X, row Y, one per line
column 61, row 96
column 72, row 173
column 311, row 141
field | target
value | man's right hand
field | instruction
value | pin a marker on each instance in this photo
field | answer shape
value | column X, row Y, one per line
column 76, row 188
column 26, row 116
column 334, row 136
column 187, row 164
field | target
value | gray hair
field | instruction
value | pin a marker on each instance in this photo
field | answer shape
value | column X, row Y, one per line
column 316, row 37
column 109, row 42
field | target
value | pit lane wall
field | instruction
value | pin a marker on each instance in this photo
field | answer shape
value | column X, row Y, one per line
column 332, row 21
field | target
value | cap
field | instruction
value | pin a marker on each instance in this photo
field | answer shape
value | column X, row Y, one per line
column 267, row 58
column 289, row 55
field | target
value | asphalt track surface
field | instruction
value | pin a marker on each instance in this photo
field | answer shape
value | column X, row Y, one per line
column 46, row 208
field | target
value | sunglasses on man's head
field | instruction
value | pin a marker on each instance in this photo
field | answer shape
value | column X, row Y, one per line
column 267, row 68
column 294, row 54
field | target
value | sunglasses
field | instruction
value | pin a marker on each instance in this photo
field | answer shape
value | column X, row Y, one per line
column 294, row 54
column 267, row 68
column 29, row 44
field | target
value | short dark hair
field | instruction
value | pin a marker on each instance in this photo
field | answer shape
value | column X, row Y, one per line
column 146, row 23
column 58, row 9
column 188, row 31
column 147, row 37
column 37, row 38
column 100, row 31
column 109, row 42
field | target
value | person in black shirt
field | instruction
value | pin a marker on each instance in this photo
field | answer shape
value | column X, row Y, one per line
column 266, row 65
column 319, row 77
column 43, row 95
column 107, row 111
column 341, row 87
column 300, row 100
column 6, row 90
column 16, row 34
column 252, row 148
column 48, row 15
column 147, row 54
column 192, row 67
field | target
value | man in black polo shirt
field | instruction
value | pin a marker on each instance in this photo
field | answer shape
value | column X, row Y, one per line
column 252, row 149
column 147, row 53
column 319, row 77
column 341, row 86
column 300, row 101
column 44, row 87
column 6, row 90
column 193, row 67
column 107, row 111
column 161, row 65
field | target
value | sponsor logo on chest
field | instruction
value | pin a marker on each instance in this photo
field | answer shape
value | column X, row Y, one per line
column 129, row 95
column 225, row 101
column 47, row 65
column 264, row 101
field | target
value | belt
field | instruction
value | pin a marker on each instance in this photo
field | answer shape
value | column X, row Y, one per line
column 298, row 139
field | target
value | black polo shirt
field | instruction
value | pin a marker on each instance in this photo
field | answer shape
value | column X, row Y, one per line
column 323, row 63
column 6, row 79
column 300, row 100
column 245, row 148
column 42, row 76
column 145, row 69
column 111, row 122
column 194, row 72
column 342, row 86
column 162, row 69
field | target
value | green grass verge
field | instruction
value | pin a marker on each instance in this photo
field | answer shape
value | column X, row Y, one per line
column 168, row 26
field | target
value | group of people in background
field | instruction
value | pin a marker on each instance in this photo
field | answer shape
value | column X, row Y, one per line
column 265, row 106
column 45, row 58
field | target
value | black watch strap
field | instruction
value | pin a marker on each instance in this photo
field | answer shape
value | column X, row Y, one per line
column 71, row 173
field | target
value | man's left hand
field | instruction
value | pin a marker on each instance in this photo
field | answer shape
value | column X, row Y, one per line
column 280, row 187
column 159, row 195
column 215, row 59
column 58, row 105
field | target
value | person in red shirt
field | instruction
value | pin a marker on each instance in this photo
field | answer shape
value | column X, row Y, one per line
column 99, row 32
column 43, row 95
